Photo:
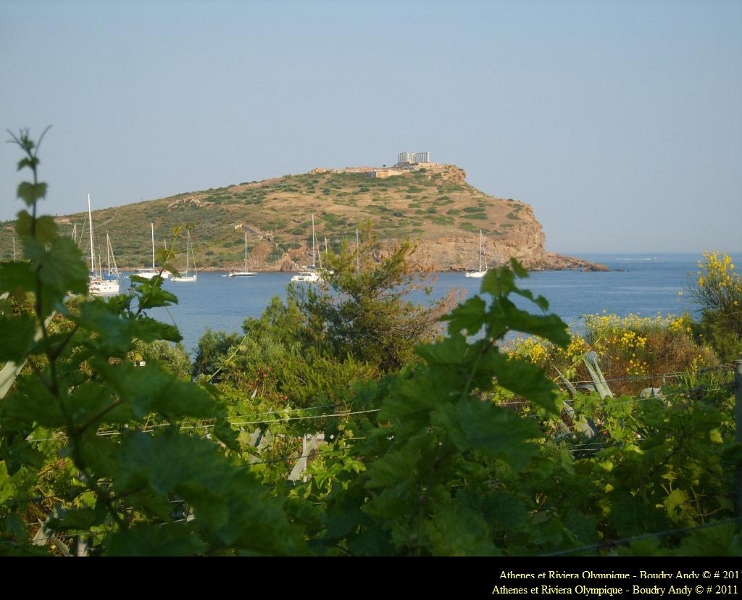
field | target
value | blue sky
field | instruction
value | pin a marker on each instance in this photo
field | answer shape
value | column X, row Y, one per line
column 620, row 122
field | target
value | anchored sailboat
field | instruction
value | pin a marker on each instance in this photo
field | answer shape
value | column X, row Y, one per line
column 310, row 274
column 186, row 276
column 482, row 261
column 102, row 284
column 246, row 272
column 153, row 272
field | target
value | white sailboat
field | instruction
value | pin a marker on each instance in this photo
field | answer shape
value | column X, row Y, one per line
column 153, row 272
column 482, row 261
column 310, row 274
column 187, row 276
column 102, row 284
column 246, row 272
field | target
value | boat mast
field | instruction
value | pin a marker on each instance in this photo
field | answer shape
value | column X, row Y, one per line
column 113, row 268
column 152, row 226
column 188, row 249
column 92, row 253
column 314, row 247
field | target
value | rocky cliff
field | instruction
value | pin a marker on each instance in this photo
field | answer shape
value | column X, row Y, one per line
column 510, row 228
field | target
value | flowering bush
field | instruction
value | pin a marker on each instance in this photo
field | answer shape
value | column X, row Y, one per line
column 718, row 291
column 633, row 352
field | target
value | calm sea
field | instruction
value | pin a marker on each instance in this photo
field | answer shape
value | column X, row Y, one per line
column 642, row 285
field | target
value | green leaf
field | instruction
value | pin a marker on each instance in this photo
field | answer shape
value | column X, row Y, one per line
column 454, row 530
column 74, row 518
column 15, row 451
column 175, row 539
column 715, row 436
column 506, row 510
column 151, row 389
column 467, row 316
column 62, row 267
column 410, row 408
column 17, row 275
column 675, row 502
column 33, row 403
column 116, row 334
column 449, row 352
column 30, row 193
column 393, row 472
column 493, row 430
column 720, row 539
column 527, row 380
column 230, row 507
column 19, row 335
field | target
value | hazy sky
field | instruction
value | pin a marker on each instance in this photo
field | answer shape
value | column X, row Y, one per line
column 620, row 122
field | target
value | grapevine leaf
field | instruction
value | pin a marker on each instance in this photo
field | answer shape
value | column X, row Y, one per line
column 467, row 316
column 476, row 425
column 527, row 380
column 33, row 403
column 675, row 501
column 30, row 193
column 449, row 352
column 145, row 540
column 459, row 531
column 215, row 488
column 15, row 276
column 720, row 540
column 19, row 334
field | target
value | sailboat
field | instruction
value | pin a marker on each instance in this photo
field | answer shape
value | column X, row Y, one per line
column 482, row 260
column 246, row 272
column 310, row 274
column 101, row 284
column 186, row 276
column 112, row 270
column 153, row 272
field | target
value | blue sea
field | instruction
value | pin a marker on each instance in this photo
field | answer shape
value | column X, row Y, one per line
column 636, row 284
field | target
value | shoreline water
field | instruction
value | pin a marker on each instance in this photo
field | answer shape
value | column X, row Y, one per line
column 637, row 284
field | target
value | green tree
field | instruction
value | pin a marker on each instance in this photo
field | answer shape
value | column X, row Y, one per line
column 211, row 346
column 362, row 308
column 173, row 356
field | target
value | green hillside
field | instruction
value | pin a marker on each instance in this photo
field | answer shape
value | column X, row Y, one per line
column 430, row 202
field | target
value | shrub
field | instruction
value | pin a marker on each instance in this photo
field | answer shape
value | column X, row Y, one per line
column 633, row 352
column 718, row 291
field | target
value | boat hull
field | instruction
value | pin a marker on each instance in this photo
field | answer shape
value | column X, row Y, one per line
column 104, row 287
column 242, row 274
column 306, row 277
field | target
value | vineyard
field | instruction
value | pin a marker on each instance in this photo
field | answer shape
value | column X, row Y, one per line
column 344, row 422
